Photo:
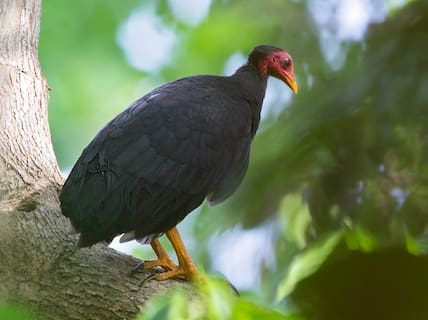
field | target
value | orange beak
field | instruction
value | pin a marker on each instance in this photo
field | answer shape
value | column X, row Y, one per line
column 291, row 82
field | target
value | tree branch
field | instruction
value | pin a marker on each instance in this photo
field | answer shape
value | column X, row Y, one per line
column 41, row 266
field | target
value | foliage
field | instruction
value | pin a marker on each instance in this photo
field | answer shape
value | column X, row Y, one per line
column 13, row 311
column 83, row 63
column 215, row 300
column 307, row 263
column 382, row 284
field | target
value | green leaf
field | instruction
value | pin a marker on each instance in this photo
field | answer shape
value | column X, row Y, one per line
column 215, row 300
column 307, row 263
column 297, row 218
column 14, row 312
column 245, row 310
column 360, row 239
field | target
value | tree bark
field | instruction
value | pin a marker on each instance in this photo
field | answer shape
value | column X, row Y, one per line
column 41, row 266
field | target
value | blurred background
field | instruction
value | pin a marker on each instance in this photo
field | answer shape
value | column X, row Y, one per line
column 331, row 219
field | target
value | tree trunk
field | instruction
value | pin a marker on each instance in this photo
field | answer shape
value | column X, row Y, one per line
column 41, row 266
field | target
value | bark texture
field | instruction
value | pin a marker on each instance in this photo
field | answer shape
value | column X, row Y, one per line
column 41, row 266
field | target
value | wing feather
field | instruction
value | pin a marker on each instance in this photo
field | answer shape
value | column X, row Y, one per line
column 153, row 164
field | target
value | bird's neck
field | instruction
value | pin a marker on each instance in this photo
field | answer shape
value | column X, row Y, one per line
column 253, row 87
column 253, row 83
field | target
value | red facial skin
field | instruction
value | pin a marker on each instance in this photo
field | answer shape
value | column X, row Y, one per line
column 279, row 64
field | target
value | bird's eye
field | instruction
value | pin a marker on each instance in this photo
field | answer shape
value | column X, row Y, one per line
column 286, row 63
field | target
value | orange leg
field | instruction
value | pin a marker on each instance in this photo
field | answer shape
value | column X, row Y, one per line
column 186, row 268
column 163, row 259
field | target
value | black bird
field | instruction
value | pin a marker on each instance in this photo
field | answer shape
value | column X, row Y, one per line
column 160, row 158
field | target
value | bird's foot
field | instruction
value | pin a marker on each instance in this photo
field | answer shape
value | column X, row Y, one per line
column 185, row 272
column 185, row 269
column 166, row 264
column 182, row 272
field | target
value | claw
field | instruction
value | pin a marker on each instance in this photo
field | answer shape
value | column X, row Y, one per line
column 136, row 269
column 148, row 278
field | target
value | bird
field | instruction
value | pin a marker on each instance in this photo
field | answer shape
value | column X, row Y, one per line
column 154, row 163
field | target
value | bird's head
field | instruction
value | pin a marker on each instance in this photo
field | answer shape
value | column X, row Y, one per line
column 275, row 62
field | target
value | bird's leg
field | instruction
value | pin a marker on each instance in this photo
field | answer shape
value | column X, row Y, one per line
column 163, row 259
column 186, row 268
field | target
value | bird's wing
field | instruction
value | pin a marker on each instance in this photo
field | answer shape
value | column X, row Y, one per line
column 193, row 146
column 163, row 145
column 157, row 147
column 230, row 183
